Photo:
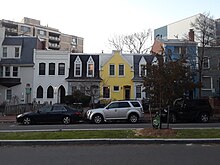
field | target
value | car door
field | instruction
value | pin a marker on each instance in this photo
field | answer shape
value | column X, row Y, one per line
column 42, row 114
column 123, row 109
column 56, row 114
column 111, row 111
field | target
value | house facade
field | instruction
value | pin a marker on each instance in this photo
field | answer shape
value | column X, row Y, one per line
column 211, row 71
column 140, row 62
column 16, row 68
column 116, row 72
column 50, row 71
column 84, row 75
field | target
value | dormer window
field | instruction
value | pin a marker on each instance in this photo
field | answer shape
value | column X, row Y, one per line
column 90, row 67
column 17, row 52
column 5, row 51
column 142, row 67
column 78, row 67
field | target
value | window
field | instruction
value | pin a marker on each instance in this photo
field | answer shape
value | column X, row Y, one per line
column 51, row 68
column 42, row 69
column 138, row 91
column 1, row 71
column 135, row 104
column 15, row 71
column 40, row 92
column 116, row 88
column 74, row 41
column 25, row 29
column 7, row 71
column 42, row 32
column 90, row 67
column 143, row 71
column 8, row 94
column 111, row 69
column 5, row 51
column 124, row 105
column 17, row 52
column 206, row 63
column 176, row 49
column 121, row 70
column 207, row 83
column 106, row 92
column 61, row 69
column 50, row 92
column 77, row 67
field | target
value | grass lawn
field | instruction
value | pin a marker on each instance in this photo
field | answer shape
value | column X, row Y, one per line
column 144, row 133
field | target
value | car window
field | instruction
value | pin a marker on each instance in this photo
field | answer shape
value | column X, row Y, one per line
column 124, row 105
column 113, row 105
column 46, row 108
column 135, row 104
column 58, row 109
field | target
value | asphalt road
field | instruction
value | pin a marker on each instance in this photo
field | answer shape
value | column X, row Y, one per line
column 4, row 127
column 171, row 154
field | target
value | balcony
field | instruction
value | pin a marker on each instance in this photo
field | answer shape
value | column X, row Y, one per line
column 54, row 46
column 11, row 31
column 10, row 82
column 54, row 39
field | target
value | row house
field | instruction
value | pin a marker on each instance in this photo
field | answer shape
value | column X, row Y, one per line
column 16, row 68
column 50, row 71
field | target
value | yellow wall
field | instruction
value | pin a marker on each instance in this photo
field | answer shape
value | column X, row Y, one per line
column 121, row 81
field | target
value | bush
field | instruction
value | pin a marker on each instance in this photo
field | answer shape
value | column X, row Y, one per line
column 78, row 97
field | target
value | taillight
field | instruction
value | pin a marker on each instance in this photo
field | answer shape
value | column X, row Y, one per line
column 78, row 113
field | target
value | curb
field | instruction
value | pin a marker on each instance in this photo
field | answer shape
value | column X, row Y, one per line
column 107, row 142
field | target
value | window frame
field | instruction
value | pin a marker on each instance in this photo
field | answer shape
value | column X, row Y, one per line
column 61, row 69
column 106, row 95
column 15, row 72
column 4, row 52
column 111, row 72
column 50, row 92
column 8, row 96
column 17, row 52
column 78, row 62
column 206, row 63
column 90, row 71
column 119, row 70
column 52, row 67
column 138, row 93
column 42, row 71
column 40, row 92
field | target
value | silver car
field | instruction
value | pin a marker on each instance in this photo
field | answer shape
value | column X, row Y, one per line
column 117, row 110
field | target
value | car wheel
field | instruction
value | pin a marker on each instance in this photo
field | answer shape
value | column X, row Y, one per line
column 97, row 119
column 66, row 120
column 172, row 118
column 27, row 121
column 133, row 118
column 204, row 117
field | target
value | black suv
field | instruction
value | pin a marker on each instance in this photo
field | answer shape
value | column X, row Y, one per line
column 198, row 110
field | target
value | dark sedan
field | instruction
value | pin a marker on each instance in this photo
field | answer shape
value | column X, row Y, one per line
column 56, row 113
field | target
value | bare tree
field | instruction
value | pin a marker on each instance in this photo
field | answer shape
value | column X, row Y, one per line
column 133, row 43
column 205, row 34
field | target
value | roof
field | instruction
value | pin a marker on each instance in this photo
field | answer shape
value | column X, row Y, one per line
column 28, row 44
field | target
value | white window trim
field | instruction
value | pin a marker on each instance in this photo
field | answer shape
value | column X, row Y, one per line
column 142, row 62
column 78, row 61
column 116, row 90
column 4, row 47
column 6, row 93
column 110, row 70
column 90, row 61
column 123, row 70
column 19, row 51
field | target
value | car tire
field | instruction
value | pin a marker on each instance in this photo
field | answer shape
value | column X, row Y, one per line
column 133, row 118
column 66, row 120
column 27, row 121
column 97, row 119
column 172, row 118
column 204, row 117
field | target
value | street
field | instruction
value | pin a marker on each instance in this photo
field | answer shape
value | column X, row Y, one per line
column 4, row 127
column 171, row 154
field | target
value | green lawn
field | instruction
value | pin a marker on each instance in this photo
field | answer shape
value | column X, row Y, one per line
column 186, row 133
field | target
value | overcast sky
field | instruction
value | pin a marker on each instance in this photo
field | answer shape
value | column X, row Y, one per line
column 98, row 20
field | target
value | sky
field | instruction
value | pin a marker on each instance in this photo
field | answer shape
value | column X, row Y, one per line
column 99, row 20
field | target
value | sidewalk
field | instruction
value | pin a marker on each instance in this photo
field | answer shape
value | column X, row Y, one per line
column 12, row 118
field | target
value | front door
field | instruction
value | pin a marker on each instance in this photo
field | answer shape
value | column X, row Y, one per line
column 127, row 93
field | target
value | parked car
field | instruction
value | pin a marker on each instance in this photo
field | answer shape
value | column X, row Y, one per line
column 56, row 113
column 117, row 110
column 196, row 110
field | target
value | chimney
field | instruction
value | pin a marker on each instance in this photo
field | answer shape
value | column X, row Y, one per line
column 191, row 35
